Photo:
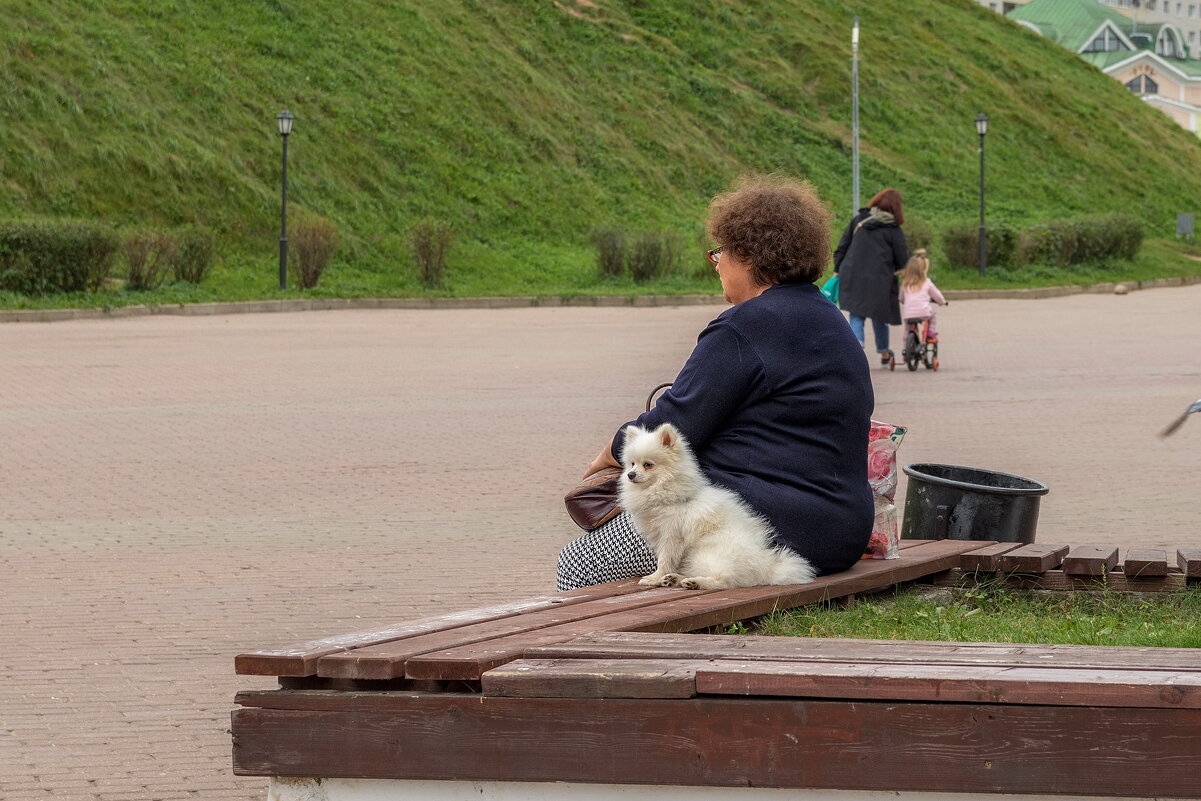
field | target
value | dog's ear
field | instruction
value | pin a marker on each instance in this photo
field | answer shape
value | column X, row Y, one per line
column 668, row 436
column 630, row 433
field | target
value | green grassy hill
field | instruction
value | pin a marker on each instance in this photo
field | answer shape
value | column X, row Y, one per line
column 525, row 123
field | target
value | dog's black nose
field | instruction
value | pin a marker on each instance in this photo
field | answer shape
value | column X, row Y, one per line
column 631, row 475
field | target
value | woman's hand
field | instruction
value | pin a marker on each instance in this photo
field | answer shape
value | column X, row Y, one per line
column 603, row 459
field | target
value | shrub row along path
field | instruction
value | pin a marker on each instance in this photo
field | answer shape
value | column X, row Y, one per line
column 174, row 490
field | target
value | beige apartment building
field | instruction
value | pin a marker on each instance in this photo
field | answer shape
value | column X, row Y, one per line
column 1148, row 45
column 1186, row 16
column 1003, row 7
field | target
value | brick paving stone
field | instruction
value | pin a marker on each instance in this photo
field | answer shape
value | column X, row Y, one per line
column 175, row 490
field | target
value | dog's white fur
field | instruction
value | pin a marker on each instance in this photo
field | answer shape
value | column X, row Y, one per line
column 705, row 536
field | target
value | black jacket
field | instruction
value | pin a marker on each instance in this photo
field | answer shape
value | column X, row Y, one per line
column 776, row 402
column 866, row 262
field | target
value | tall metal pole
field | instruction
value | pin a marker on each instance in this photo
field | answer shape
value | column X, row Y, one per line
column 982, row 234
column 855, row 118
column 283, row 221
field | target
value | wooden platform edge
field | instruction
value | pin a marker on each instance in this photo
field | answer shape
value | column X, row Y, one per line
column 766, row 742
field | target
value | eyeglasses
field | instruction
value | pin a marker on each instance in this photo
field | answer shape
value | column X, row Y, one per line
column 714, row 255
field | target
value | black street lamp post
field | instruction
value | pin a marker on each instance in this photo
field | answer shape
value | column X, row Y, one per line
column 285, row 127
column 855, row 118
column 982, row 129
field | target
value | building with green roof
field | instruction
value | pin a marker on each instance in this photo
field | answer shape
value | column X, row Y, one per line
column 1130, row 41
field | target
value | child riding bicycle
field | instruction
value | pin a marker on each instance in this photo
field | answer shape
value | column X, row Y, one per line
column 917, row 292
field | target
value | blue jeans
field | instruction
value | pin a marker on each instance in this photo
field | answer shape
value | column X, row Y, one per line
column 879, row 328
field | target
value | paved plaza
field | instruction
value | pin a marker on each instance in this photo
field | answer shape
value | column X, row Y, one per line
column 175, row 490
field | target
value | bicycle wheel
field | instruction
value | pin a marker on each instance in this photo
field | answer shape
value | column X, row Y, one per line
column 913, row 351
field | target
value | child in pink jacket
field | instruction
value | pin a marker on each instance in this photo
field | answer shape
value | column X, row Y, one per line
column 917, row 291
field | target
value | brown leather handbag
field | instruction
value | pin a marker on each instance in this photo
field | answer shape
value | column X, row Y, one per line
column 593, row 502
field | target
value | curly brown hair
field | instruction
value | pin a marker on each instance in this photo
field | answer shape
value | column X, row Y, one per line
column 777, row 226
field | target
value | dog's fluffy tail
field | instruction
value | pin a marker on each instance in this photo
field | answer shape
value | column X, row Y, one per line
column 791, row 568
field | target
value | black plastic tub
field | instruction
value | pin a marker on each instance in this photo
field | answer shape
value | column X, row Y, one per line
column 949, row 502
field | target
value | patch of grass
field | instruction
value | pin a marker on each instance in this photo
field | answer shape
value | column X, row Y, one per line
column 989, row 614
column 526, row 124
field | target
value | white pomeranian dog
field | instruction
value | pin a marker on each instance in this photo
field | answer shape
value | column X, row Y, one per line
column 705, row 537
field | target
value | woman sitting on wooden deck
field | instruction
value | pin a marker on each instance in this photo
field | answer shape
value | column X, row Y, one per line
column 775, row 399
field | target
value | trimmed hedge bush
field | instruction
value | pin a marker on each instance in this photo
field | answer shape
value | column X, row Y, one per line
column 148, row 256
column 1058, row 243
column 194, row 256
column 961, row 245
column 44, row 257
column 919, row 234
column 431, row 239
column 1090, row 239
column 646, row 255
column 610, row 251
column 311, row 245
column 654, row 254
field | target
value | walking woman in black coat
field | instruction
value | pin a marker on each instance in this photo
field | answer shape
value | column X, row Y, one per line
column 868, row 256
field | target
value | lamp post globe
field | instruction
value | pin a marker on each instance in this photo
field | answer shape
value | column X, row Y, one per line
column 982, row 129
column 284, row 121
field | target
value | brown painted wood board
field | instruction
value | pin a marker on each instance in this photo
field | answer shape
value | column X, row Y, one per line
column 301, row 659
column 1033, row 558
column 387, row 660
column 1090, row 560
column 733, row 742
column 987, row 559
column 1145, row 563
column 905, row 544
column 1189, row 562
column 593, row 678
column 692, row 611
column 989, row 684
column 1056, row 580
column 978, row 684
column 628, row 645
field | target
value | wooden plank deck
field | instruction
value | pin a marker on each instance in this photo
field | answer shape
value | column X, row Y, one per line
column 1145, row 563
column 911, row 680
column 976, row 684
column 463, row 645
column 1035, row 558
column 387, row 660
column 1057, row 580
column 1091, row 560
column 1083, row 568
column 987, row 559
column 619, row 645
column 691, row 610
column 301, row 659
column 604, row 686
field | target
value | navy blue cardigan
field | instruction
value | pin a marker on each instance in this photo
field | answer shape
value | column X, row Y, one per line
column 776, row 401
